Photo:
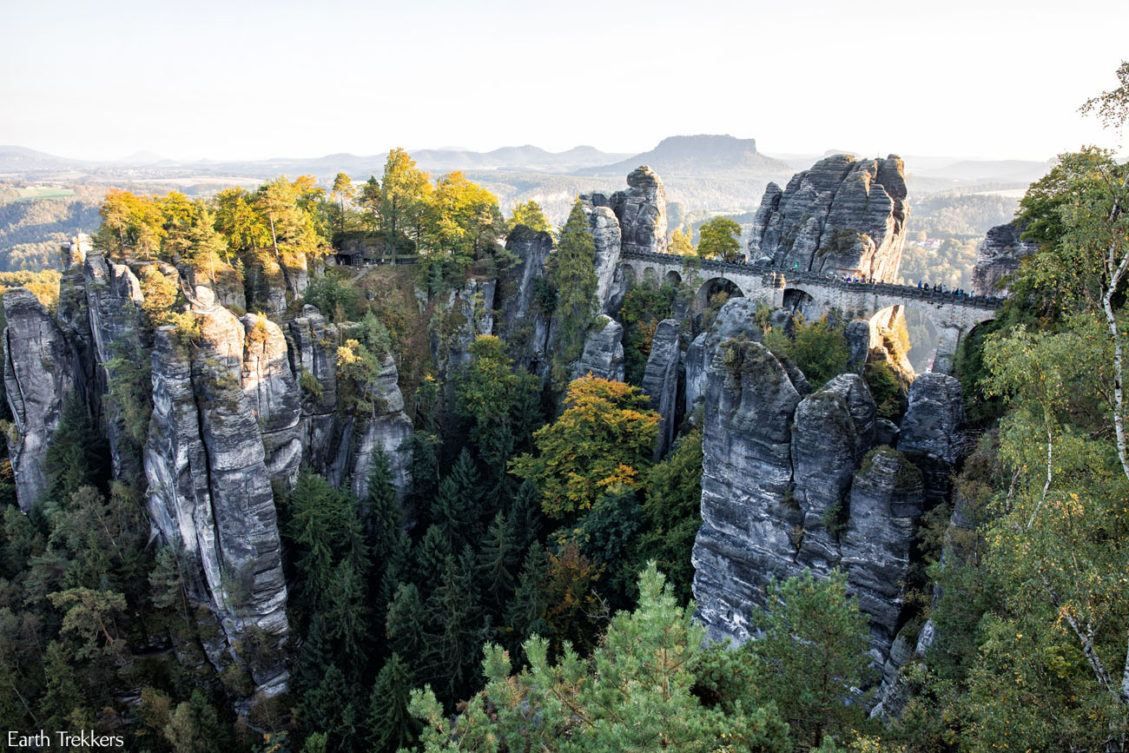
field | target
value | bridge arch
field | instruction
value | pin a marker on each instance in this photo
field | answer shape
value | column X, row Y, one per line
column 673, row 277
column 650, row 275
column 713, row 287
column 799, row 301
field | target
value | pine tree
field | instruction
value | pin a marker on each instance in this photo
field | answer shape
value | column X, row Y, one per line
column 497, row 560
column 457, row 504
column 404, row 626
column 573, row 275
column 346, row 617
column 525, row 614
column 525, row 513
column 313, row 657
column 390, row 725
column 382, row 517
column 431, row 555
column 326, row 708
column 455, row 612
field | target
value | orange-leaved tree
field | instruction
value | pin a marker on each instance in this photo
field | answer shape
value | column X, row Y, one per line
column 601, row 444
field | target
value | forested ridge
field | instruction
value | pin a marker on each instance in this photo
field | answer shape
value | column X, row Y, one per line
column 530, row 588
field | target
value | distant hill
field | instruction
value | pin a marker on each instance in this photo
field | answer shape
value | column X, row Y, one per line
column 699, row 156
column 523, row 158
column 19, row 159
column 1021, row 171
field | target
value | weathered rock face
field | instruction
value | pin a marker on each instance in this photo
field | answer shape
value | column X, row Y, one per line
column 641, row 211
column 313, row 360
column 39, row 368
column 840, row 216
column 610, row 285
column 998, row 257
column 603, row 351
column 662, row 381
column 273, row 395
column 735, row 319
column 464, row 315
column 521, row 322
column 386, row 430
column 339, row 444
column 747, row 514
column 887, row 498
column 209, row 491
column 792, row 483
column 113, row 297
column 831, row 431
column 930, row 432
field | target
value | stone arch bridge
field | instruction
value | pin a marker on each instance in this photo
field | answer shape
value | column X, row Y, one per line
column 816, row 294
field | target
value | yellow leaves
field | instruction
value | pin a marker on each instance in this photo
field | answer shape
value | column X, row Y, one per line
column 348, row 354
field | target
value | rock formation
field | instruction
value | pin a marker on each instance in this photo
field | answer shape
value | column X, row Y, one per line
column 610, row 285
column 209, row 493
column 603, row 350
column 792, row 483
column 662, row 380
column 841, row 216
column 641, row 211
column 998, row 257
column 39, row 377
column 521, row 322
column 273, row 394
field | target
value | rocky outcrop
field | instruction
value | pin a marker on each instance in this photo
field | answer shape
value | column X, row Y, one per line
column 662, row 381
column 736, row 318
column 641, row 211
column 274, row 397
column 313, row 360
column 39, row 377
column 887, row 498
column 831, row 430
column 748, row 514
column 521, row 322
column 998, row 257
column 841, row 216
column 931, row 433
column 113, row 305
column 610, row 284
column 457, row 320
column 387, row 430
column 793, row 483
column 209, row 491
column 337, row 443
column 603, row 351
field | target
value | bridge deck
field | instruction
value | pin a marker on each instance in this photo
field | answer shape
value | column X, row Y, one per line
column 768, row 274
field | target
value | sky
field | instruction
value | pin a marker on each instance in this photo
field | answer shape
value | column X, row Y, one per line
column 269, row 78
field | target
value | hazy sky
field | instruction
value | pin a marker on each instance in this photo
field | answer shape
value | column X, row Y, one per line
column 231, row 79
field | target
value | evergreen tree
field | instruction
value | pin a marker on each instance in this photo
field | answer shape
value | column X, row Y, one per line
column 525, row 613
column 497, row 561
column 404, row 627
column 431, row 555
column 572, row 273
column 390, row 725
column 382, row 518
column 525, row 515
column 346, row 617
column 456, row 507
column 455, row 612
column 327, row 708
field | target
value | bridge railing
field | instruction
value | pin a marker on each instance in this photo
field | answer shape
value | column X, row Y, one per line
column 777, row 277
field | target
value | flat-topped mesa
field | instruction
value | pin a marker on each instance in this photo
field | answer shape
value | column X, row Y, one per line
column 997, row 257
column 842, row 216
